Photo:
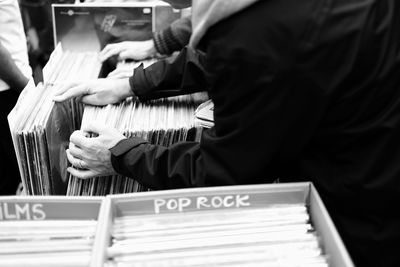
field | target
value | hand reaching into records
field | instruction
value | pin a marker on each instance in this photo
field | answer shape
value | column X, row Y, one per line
column 95, row 92
column 120, row 74
column 138, row 50
column 91, row 156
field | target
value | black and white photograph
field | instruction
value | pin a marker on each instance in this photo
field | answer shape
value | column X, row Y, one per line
column 177, row 133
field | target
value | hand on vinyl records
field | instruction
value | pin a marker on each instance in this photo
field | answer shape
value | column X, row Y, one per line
column 91, row 156
column 138, row 50
column 120, row 74
column 97, row 92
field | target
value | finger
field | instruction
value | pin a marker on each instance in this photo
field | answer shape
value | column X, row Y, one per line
column 76, row 151
column 72, row 92
column 92, row 100
column 106, row 49
column 96, row 100
column 95, row 127
column 112, row 74
column 76, row 162
column 79, row 139
column 119, row 74
column 125, row 54
column 109, row 53
column 62, row 87
column 82, row 174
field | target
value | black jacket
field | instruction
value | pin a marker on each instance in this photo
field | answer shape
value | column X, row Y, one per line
column 303, row 90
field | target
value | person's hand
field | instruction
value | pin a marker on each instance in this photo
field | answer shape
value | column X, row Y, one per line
column 91, row 154
column 137, row 50
column 120, row 73
column 95, row 92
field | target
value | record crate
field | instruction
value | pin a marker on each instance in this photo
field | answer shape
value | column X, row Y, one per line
column 194, row 226
column 48, row 230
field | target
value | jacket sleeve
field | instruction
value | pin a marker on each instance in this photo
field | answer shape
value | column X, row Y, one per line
column 174, row 38
column 265, row 110
column 183, row 74
column 159, row 167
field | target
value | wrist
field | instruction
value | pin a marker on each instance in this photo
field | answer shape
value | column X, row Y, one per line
column 151, row 48
column 125, row 88
column 118, row 138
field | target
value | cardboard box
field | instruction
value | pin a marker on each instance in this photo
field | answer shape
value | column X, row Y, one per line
column 54, row 208
column 224, row 198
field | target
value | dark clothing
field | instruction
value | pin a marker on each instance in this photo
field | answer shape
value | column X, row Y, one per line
column 174, row 38
column 173, row 76
column 9, row 172
column 302, row 90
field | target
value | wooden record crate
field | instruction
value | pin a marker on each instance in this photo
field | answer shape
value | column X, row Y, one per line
column 42, row 208
column 223, row 198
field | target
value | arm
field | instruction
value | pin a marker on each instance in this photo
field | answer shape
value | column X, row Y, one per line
column 9, row 72
column 183, row 74
column 136, row 50
column 174, row 38
column 164, row 42
column 265, row 111
column 168, row 77
column 264, row 115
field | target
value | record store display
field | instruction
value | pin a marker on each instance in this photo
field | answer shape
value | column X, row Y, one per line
column 282, row 225
column 260, row 225
column 114, row 221
column 162, row 122
column 41, row 128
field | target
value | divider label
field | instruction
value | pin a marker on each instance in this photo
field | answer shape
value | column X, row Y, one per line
column 200, row 203
column 21, row 211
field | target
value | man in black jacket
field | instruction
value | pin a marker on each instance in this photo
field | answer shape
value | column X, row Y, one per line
column 303, row 90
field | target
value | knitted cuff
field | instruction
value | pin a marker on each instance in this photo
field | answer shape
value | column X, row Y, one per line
column 165, row 42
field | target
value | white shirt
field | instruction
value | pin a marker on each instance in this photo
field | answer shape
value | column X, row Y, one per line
column 12, row 37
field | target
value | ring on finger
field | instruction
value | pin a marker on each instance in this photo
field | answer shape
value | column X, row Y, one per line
column 80, row 163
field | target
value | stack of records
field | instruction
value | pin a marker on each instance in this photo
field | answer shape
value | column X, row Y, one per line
column 162, row 122
column 274, row 235
column 41, row 128
column 47, row 243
